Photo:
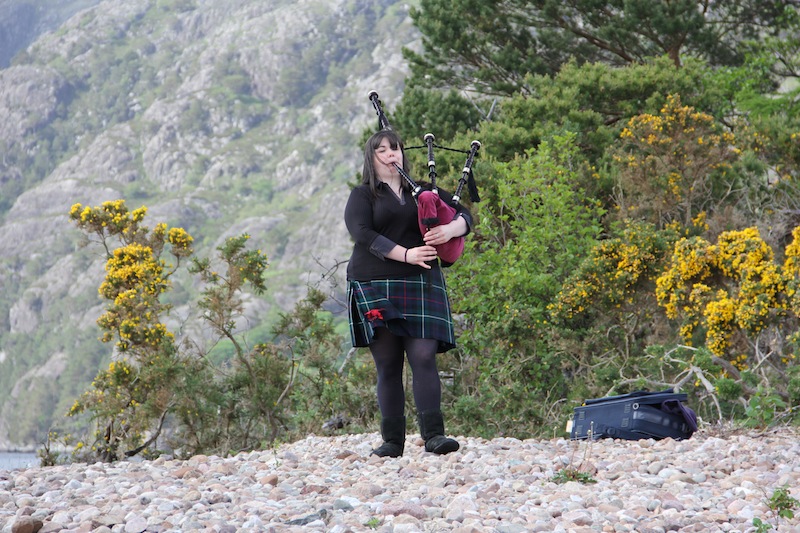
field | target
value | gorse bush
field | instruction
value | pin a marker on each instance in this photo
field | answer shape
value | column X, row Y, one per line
column 564, row 299
column 131, row 399
column 670, row 164
column 165, row 391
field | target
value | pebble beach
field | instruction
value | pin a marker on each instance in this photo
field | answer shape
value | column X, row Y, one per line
column 707, row 483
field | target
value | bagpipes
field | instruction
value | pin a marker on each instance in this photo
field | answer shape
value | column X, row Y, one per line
column 432, row 210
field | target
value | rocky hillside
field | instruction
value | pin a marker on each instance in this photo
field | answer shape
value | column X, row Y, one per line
column 221, row 118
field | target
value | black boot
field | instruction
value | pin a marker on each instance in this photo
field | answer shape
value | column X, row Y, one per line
column 431, row 426
column 393, row 431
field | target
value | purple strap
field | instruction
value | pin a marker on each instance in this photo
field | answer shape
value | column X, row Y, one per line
column 677, row 407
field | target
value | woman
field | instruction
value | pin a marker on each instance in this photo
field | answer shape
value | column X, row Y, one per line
column 397, row 297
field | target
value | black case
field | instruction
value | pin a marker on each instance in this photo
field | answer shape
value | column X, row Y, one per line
column 634, row 416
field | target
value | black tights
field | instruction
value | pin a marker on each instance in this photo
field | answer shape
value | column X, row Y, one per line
column 387, row 351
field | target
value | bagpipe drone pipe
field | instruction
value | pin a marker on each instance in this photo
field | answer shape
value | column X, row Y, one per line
column 433, row 210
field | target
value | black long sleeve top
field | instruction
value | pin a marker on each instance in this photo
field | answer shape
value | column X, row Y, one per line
column 378, row 224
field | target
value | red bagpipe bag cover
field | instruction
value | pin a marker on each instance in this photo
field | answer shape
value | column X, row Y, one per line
column 433, row 211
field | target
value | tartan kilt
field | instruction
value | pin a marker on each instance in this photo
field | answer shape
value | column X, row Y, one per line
column 414, row 306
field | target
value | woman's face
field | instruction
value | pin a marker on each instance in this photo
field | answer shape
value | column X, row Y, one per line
column 386, row 157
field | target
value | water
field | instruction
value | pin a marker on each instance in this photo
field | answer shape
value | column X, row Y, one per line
column 13, row 460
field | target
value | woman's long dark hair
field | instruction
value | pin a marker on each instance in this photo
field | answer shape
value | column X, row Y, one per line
column 369, row 176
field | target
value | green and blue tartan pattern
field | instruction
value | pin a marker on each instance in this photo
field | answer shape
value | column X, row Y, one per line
column 415, row 306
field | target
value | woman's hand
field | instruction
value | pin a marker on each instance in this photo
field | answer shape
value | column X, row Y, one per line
column 445, row 232
column 420, row 255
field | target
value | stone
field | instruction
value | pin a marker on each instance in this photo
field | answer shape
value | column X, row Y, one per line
column 26, row 524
